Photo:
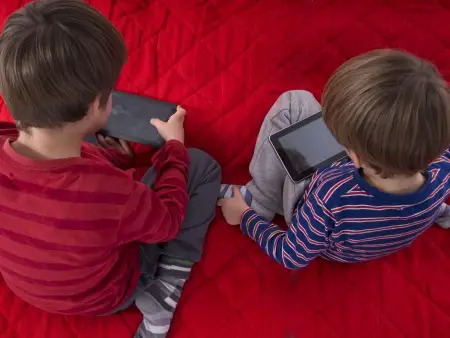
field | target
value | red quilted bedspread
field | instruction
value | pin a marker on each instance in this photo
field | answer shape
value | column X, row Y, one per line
column 227, row 61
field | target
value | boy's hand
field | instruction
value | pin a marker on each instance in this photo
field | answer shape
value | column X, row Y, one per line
column 111, row 142
column 172, row 129
column 444, row 218
column 233, row 208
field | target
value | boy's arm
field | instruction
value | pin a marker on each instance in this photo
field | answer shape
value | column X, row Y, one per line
column 447, row 154
column 443, row 162
column 304, row 240
column 156, row 215
column 445, row 157
column 115, row 157
column 116, row 151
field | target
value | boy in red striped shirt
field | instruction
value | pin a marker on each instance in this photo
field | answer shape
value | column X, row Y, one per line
column 78, row 234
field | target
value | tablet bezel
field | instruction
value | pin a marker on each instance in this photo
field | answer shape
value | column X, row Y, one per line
column 284, row 158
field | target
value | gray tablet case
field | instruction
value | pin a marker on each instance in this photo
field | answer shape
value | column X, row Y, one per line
column 130, row 118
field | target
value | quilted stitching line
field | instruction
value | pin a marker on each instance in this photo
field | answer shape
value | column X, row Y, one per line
column 219, row 24
column 438, row 248
column 248, row 96
column 274, row 73
column 423, row 29
column 438, row 307
column 72, row 330
column 198, row 40
column 379, row 309
column 222, row 70
column 217, row 274
column 132, row 17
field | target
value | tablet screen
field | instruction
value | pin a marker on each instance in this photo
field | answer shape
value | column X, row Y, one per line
column 130, row 118
column 306, row 146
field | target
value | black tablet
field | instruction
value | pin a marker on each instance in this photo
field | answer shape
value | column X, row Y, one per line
column 306, row 146
column 130, row 118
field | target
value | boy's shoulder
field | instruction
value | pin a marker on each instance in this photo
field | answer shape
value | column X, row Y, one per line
column 338, row 179
column 91, row 172
column 441, row 164
column 341, row 183
column 439, row 173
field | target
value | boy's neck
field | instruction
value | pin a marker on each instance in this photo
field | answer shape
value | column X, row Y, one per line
column 48, row 144
column 398, row 184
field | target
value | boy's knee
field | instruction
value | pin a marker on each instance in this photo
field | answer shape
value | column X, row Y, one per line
column 299, row 95
column 198, row 155
column 299, row 101
column 205, row 162
column 306, row 98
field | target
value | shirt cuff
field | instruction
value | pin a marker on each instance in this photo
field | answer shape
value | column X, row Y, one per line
column 247, row 218
column 172, row 147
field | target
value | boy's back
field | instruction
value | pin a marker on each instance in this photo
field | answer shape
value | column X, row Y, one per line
column 342, row 218
column 366, row 223
column 68, row 227
column 70, row 219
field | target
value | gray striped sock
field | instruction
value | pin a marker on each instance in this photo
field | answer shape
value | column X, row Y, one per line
column 226, row 191
column 161, row 295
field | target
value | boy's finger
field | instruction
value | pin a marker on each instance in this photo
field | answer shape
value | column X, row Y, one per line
column 112, row 142
column 126, row 146
column 101, row 141
column 180, row 112
column 220, row 202
column 100, row 138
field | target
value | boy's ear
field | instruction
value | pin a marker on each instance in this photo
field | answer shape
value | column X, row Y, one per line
column 93, row 109
column 95, row 106
column 95, row 117
column 355, row 158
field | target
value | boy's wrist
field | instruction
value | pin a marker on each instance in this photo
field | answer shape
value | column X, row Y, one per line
column 175, row 139
column 247, row 210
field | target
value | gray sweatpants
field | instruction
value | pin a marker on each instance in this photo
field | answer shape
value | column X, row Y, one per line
column 166, row 266
column 272, row 190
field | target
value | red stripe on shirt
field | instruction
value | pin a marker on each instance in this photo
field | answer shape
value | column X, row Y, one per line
column 62, row 194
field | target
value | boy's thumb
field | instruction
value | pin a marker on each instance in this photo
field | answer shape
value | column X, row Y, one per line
column 155, row 122
column 236, row 191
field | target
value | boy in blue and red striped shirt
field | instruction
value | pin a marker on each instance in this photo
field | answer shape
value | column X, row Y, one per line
column 391, row 110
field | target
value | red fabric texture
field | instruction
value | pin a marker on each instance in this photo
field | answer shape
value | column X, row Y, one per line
column 70, row 243
column 227, row 62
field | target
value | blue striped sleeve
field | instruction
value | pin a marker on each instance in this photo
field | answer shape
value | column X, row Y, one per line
column 446, row 155
column 296, row 247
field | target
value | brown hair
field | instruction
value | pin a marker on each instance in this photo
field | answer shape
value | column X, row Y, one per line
column 56, row 57
column 391, row 108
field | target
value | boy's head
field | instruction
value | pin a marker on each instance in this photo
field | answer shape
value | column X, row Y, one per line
column 390, row 109
column 59, row 60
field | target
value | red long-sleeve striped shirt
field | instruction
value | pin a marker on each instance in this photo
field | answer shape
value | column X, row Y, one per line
column 70, row 228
